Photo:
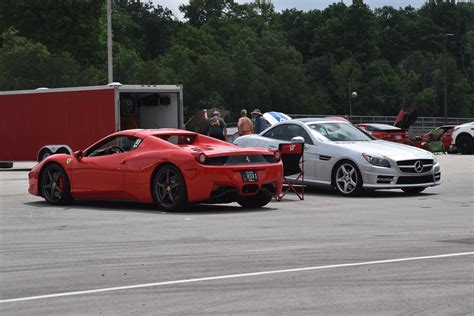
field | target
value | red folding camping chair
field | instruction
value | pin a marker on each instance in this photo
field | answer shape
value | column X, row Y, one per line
column 293, row 164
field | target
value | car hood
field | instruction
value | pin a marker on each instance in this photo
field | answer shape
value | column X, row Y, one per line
column 391, row 150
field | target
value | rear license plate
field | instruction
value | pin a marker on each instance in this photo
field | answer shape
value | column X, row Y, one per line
column 249, row 176
column 398, row 137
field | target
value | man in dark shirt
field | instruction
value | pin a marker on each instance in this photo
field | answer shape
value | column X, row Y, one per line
column 259, row 121
column 217, row 126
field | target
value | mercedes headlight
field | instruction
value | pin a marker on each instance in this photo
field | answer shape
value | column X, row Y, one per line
column 376, row 160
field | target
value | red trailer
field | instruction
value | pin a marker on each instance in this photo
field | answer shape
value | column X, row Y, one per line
column 76, row 117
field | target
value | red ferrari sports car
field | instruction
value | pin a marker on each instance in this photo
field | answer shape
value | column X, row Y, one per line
column 169, row 167
column 385, row 132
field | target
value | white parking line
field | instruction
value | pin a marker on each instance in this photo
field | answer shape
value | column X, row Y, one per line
column 230, row 276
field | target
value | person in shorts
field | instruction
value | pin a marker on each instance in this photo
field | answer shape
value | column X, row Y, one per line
column 244, row 125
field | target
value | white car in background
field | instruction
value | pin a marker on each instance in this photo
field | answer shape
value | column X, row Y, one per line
column 462, row 138
column 340, row 155
column 271, row 118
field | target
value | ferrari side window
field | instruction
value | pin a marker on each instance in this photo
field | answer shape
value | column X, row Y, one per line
column 137, row 143
column 114, row 145
column 179, row 139
column 128, row 143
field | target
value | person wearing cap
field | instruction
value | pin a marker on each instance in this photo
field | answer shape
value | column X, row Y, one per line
column 258, row 121
column 244, row 125
column 217, row 126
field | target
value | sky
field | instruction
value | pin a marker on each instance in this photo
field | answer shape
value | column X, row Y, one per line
column 302, row 4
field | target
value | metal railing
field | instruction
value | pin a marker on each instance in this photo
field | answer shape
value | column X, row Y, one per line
column 422, row 125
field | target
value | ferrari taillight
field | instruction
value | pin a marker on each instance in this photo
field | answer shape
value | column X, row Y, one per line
column 202, row 158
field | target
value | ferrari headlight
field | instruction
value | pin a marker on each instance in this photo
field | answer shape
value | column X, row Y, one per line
column 376, row 160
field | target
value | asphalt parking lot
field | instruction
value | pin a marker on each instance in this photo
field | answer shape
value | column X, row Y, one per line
column 382, row 253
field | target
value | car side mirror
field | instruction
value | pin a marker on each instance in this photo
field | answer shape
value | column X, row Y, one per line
column 78, row 154
column 297, row 140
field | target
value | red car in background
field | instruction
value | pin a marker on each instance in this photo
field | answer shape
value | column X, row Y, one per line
column 385, row 132
column 170, row 167
column 443, row 133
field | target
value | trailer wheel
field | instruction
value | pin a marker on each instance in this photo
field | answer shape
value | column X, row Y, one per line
column 45, row 153
column 63, row 150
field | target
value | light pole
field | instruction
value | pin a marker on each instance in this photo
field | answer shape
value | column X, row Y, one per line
column 445, row 70
column 352, row 94
column 110, row 65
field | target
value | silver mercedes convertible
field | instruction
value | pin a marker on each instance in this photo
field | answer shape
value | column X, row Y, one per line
column 340, row 155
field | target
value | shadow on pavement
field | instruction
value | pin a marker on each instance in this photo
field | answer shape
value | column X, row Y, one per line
column 395, row 193
column 126, row 206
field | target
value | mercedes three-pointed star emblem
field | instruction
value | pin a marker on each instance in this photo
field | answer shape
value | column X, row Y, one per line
column 418, row 166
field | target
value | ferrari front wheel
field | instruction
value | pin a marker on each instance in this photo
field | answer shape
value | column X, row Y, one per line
column 54, row 185
column 169, row 189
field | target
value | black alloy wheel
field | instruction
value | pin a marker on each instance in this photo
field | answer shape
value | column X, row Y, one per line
column 54, row 185
column 169, row 189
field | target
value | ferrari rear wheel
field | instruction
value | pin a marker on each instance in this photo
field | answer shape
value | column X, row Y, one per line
column 260, row 199
column 413, row 190
column 347, row 179
column 54, row 185
column 169, row 189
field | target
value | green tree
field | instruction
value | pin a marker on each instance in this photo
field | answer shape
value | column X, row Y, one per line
column 199, row 12
column 25, row 64
column 141, row 26
column 74, row 26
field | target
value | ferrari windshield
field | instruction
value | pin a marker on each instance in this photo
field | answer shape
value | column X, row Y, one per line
column 339, row 131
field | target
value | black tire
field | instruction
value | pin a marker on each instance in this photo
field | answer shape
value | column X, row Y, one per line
column 464, row 144
column 45, row 153
column 347, row 178
column 413, row 190
column 6, row 164
column 169, row 189
column 262, row 198
column 54, row 185
column 63, row 150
